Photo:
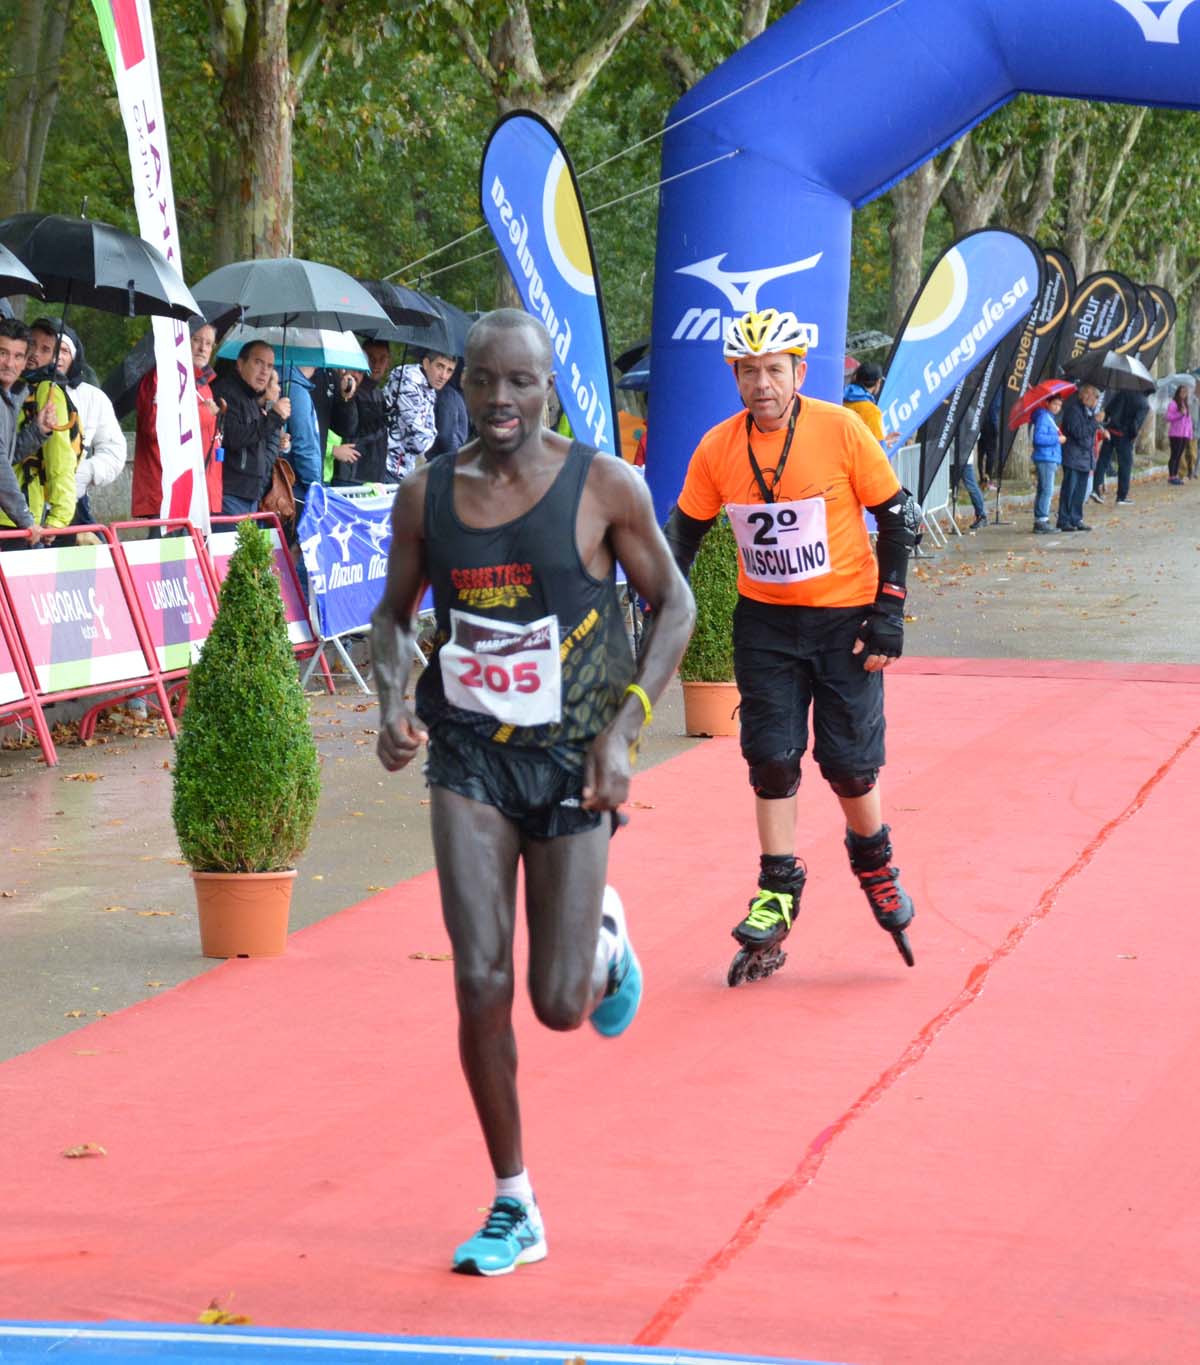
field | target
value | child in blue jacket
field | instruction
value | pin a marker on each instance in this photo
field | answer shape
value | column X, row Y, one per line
column 1047, row 457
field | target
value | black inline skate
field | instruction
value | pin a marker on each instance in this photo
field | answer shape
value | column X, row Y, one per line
column 768, row 921
column 890, row 904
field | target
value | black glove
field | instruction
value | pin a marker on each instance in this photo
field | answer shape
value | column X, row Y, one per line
column 882, row 633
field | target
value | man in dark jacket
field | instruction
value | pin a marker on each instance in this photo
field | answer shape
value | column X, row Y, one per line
column 1124, row 415
column 453, row 425
column 248, row 424
column 366, row 423
column 1079, row 426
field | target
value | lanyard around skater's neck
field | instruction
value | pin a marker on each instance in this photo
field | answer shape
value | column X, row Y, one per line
column 769, row 493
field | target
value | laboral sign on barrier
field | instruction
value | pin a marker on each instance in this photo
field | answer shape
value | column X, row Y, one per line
column 74, row 617
column 531, row 203
column 10, row 681
column 345, row 547
column 128, row 36
column 976, row 293
column 221, row 545
column 173, row 596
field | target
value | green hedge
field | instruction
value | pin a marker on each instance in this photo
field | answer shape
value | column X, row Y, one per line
column 247, row 776
column 709, row 656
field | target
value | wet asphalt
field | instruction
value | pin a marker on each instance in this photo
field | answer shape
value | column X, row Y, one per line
column 96, row 908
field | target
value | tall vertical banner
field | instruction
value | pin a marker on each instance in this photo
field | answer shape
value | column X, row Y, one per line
column 531, row 202
column 979, row 290
column 1160, row 327
column 1039, row 340
column 128, row 37
column 1103, row 306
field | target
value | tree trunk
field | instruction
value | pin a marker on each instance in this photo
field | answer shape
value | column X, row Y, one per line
column 1079, row 177
column 252, row 161
column 35, row 53
column 913, row 199
column 972, row 194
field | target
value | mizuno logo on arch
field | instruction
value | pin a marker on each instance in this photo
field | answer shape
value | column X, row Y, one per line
column 741, row 289
column 1159, row 22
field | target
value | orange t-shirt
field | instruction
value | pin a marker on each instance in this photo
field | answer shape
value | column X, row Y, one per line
column 833, row 471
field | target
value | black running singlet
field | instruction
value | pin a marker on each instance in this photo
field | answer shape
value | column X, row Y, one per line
column 531, row 650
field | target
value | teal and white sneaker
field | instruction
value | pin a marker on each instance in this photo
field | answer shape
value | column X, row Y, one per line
column 614, row 1014
column 512, row 1235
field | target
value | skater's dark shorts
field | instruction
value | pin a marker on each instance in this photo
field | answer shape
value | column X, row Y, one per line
column 788, row 658
column 537, row 789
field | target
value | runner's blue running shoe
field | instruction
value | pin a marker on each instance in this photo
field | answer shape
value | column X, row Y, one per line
column 614, row 1014
column 512, row 1235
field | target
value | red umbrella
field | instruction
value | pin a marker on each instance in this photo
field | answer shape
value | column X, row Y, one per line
column 1037, row 397
column 849, row 365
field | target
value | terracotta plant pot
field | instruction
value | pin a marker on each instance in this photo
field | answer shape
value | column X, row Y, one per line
column 243, row 914
column 711, row 708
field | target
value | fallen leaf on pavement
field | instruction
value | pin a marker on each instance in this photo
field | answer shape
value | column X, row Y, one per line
column 74, row 1014
column 433, row 957
column 216, row 1316
column 112, row 909
column 148, row 914
column 82, row 777
column 85, row 1149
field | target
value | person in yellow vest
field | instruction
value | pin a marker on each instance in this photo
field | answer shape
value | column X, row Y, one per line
column 48, row 441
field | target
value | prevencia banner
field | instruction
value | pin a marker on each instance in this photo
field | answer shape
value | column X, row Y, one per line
column 978, row 291
column 345, row 546
column 173, row 595
column 128, row 36
column 531, row 203
column 221, row 545
column 74, row 618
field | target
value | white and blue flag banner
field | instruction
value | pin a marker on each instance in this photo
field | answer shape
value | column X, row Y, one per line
column 978, row 291
column 345, row 546
column 531, row 202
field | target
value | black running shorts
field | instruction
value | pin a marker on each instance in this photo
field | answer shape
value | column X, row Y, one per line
column 786, row 658
column 533, row 788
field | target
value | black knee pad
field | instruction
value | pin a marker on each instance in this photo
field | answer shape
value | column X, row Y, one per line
column 776, row 778
column 852, row 784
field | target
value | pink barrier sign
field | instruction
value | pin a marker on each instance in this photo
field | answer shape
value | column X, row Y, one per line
column 10, row 682
column 73, row 615
column 221, row 545
column 173, row 596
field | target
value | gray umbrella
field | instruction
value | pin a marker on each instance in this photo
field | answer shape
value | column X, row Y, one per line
column 446, row 332
column 288, row 292
column 1111, row 371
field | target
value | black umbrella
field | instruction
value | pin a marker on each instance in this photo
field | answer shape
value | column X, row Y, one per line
column 15, row 278
column 629, row 358
column 404, row 307
column 288, row 292
column 446, row 334
column 1111, row 371
column 82, row 261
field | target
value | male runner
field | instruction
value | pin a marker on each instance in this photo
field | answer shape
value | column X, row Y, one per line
column 817, row 619
column 530, row 706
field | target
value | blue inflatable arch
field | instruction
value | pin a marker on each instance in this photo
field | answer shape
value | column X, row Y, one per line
column 825, row 111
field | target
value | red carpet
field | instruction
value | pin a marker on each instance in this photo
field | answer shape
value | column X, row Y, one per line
column 989, row 1157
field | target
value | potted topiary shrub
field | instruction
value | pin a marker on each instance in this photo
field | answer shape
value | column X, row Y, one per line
column 710, row 695
column 247, row 776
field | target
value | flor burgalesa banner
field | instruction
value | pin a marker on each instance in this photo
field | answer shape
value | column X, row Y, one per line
column 128, row 37
column 531, row 203
column 976, row 293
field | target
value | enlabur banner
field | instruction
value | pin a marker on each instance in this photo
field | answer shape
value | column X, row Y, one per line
column 1160, row 327
column 1039, row 339
column 1101, row 310
column 128, row 37
column 982, row 287
column 531, row 202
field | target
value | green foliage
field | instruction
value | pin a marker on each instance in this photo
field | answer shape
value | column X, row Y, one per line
column 709, row 656
column 247, row 777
